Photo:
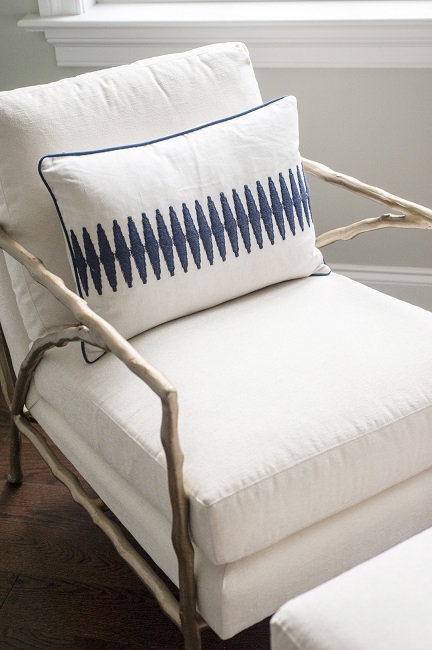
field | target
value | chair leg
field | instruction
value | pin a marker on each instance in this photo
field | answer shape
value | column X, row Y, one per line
column 15, row 475
column 8, row 382
column 191, row 623
column 191, row 632
column 193, row 644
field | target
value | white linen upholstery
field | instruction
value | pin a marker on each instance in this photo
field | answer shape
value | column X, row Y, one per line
column 273, row 453
column 118, row 106
column 385, row 603
column 313, row 472
column 11, row 321
column 165, row 228
column 234, row 596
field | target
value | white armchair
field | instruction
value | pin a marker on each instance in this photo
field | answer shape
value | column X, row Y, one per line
column 279, row 435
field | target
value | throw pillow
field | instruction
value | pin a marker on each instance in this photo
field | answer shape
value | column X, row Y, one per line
column 165, row 228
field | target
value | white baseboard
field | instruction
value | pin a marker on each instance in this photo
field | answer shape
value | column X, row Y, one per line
column 411, row 284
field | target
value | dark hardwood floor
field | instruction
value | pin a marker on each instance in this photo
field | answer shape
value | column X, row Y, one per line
column 62, row 586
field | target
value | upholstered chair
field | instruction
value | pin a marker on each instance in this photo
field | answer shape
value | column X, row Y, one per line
column 258, row 423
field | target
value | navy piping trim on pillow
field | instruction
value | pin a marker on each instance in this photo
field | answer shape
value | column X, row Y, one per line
column 148, row 142
column 321, row 275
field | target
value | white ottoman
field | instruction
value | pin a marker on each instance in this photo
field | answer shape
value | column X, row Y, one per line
column 383, row 604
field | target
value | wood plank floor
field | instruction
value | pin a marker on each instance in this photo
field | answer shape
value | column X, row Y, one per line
column 62, row 586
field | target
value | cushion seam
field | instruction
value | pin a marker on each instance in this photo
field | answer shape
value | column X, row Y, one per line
column 317, row 455
column 261, row 480
column 290, row 636
column 85, row 399
column 109, row 71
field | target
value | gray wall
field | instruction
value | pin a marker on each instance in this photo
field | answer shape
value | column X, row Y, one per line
column 25, row 57
column 373, row 124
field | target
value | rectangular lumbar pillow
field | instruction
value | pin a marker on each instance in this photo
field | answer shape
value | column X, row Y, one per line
column 165, row 228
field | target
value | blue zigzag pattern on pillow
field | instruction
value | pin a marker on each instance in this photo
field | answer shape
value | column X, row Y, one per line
column 282, row 203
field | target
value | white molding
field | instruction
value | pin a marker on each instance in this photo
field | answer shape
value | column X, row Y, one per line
column 318, row 34
column 64, row 7
column 413, row 285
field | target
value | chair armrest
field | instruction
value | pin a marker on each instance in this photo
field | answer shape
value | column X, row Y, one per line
column 412, row 214
column 96, row 330
column 104, row 335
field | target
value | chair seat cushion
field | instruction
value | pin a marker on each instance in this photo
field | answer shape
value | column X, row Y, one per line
column 296, row 402
column 381, row 604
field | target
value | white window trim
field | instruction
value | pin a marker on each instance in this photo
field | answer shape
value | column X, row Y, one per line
column 64, row 7
column 320, row 34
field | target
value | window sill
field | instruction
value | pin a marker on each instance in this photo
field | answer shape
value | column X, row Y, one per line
column 319, row 34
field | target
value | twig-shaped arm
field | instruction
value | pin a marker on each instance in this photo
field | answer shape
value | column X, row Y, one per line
column 53, row 340
column 20, row 423
column 105, row 336
column 413, row 215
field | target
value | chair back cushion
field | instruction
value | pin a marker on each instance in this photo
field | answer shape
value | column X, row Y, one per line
column 107, row 108
column 10, row 318
column 166, row 228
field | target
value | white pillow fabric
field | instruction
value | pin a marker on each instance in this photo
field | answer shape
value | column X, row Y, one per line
column 107, row 108
column 166, row 228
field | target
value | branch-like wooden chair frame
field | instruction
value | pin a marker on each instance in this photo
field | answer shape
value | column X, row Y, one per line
column 95, row 330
